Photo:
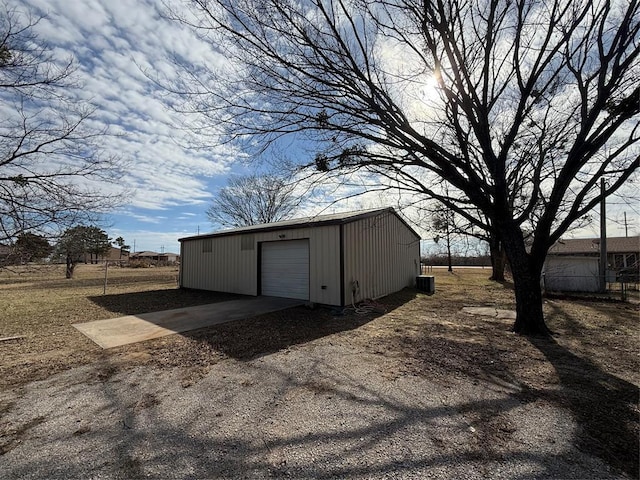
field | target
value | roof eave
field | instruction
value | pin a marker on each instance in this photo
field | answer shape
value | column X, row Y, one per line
column 302, row 224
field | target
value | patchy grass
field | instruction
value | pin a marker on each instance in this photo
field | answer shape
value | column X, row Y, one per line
column 590, row 367
column 41, row 306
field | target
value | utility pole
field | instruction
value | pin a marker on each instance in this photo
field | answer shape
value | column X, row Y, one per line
column 603, row 238
column 626, row 227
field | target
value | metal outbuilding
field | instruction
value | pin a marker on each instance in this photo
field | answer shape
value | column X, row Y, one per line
column 328, row 259
column 573, row 265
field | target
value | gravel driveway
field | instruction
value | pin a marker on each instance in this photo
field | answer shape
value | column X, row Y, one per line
column 317, row 410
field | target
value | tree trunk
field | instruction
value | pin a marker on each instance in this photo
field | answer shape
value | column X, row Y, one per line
column 498, row 259
column 529, row 314
column 449, row 248
column 70, row 266
column 526, row 273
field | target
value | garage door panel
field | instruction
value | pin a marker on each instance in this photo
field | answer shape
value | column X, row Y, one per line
column 285, row 269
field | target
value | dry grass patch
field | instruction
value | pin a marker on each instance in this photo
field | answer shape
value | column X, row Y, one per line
column 40, row 306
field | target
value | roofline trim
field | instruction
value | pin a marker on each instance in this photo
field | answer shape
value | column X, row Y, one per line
column 303, row 224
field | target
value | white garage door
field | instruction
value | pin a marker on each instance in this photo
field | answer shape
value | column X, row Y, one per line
column 285, row 269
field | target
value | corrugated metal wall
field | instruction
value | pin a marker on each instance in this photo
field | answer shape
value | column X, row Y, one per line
column 381, row 254
column 564, row 273
column 230, row 263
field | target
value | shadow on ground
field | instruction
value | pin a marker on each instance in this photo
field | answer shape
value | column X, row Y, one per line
column 604, row 405
column 385, row 434
column 158, row 300
column 265, row 334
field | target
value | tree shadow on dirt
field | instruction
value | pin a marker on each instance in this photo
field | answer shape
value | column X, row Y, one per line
column 383, row 433
column 604, row 405
column 158, row 300
column 317, row 418
column 269, row 333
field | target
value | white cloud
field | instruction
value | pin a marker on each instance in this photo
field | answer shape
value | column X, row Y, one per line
column 110, row 41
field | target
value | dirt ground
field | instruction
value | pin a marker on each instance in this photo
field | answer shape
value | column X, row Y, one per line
column 590, row 368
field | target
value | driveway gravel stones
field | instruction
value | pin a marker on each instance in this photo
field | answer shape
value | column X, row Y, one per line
column 316, row 410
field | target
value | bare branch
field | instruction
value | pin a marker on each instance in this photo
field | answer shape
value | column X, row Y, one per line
column 51, row 163
column 535, row 102
column 253, row 200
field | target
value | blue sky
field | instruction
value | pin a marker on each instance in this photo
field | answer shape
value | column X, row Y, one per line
column 171, row 181
column 112, row 41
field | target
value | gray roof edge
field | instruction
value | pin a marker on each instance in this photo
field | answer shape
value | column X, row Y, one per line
column 569, row 246
column 320, row 220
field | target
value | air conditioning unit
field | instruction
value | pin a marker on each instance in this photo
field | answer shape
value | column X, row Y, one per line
column 426, row 283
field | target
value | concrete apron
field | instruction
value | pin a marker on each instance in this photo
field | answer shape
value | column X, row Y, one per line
column 115, row 332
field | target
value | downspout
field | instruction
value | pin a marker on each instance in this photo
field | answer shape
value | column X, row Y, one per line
column 181, row 264
column 342, row 286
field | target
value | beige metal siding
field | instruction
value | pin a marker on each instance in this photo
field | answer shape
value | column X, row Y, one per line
column 381, row 254
column 231, row 266
column 223, row 267
column 324, row 265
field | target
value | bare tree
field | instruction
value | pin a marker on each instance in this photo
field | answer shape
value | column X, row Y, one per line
column 442, row 223
column 497, row 254
column 534, row 103
column 441, row 218
column 253, row 199
column 51, row 163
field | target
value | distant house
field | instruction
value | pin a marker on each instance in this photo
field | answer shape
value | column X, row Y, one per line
column 116, row 255
column 171, row 257
column 155, row 258
column 113, row 255
column 573, row 264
